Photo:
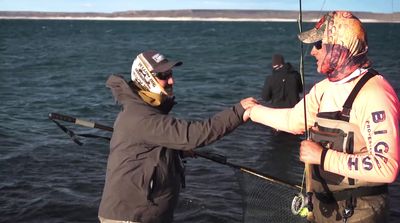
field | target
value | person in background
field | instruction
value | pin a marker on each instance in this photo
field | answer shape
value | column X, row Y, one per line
column 283, row 87
column 144, row 170
column 353, row 121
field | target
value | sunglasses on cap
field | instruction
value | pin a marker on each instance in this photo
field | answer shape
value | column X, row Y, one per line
column 164, row 75
column 318, row 45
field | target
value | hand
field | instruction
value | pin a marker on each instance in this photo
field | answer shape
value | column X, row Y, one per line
column 310, row 152
column 247, row 104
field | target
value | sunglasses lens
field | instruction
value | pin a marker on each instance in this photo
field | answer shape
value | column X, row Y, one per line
column 318, row 45
column 164, row 75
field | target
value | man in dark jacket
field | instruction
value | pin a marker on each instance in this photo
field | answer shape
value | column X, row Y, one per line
column 283, row 87
column 144, row 170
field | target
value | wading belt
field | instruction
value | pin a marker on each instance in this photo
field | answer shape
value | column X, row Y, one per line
column 353, row 192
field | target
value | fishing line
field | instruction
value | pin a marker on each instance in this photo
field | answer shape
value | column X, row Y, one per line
column 207, row 155
column 308, row 46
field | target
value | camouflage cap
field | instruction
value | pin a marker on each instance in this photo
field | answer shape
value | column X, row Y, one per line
column 338, row 27
column 317, row 33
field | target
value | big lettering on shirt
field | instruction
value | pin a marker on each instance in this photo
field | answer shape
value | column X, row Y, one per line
column 380, row 147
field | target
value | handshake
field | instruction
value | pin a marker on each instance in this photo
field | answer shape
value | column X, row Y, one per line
column 248, row 104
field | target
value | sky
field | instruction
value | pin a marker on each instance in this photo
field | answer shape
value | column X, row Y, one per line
column 381, row 6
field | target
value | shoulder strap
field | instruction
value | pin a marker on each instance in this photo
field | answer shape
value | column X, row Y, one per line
column 345, row 114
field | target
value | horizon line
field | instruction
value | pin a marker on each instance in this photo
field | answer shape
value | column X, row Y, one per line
column 165, row 10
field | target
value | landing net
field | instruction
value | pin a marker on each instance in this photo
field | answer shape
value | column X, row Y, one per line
column 266, row 201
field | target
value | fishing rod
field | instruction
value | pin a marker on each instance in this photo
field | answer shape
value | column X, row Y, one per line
column 206, row 155
column 223, row 160
column 301, row 205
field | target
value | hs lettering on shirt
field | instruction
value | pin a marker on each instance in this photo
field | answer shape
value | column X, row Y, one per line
column 379, row 148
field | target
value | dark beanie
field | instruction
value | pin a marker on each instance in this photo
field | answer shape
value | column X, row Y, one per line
column 277, row 59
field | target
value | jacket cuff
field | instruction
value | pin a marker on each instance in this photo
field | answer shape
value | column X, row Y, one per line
column 239, row 110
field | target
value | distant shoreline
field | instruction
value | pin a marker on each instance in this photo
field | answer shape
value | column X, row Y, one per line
column 196, row 15
column 176, row 19
column 154, row 19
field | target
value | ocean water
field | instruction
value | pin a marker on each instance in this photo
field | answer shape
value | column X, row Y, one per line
column 62, row 66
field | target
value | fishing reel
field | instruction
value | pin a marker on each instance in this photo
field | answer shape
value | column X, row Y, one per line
column 299, row 205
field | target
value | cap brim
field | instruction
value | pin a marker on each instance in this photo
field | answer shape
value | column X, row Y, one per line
column 167, row 66
column 311, row 36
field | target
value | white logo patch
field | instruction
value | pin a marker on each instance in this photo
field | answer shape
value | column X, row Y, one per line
column 158, row 58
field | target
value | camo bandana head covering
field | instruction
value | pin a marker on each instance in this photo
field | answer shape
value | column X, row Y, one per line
column 345, row 42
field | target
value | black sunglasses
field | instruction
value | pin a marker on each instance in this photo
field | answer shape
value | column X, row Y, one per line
column 164, row 75
column 318, row 45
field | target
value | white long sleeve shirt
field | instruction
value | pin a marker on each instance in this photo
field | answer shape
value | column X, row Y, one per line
column 375, row 110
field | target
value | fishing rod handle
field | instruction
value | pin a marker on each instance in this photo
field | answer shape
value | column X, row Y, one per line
column 67, row 118
column 81, row 122
column 61, row 117
column 103, row 127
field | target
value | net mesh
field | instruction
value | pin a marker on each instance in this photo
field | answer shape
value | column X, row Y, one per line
column 266, row 201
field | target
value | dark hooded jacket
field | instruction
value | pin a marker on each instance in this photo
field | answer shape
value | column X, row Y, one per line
column 283, row 87
column 144, row 172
